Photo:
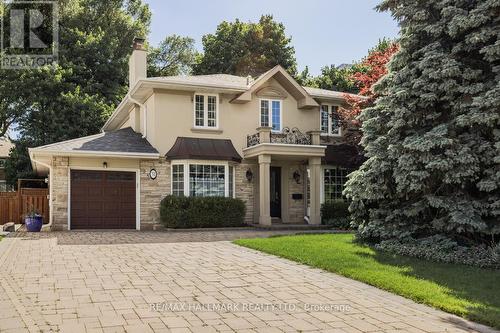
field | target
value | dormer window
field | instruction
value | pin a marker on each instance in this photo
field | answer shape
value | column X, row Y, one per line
column 205, row 111
column 270, row 114
column 329, row 120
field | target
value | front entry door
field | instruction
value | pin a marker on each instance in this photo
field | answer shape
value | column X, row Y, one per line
column 275, row 192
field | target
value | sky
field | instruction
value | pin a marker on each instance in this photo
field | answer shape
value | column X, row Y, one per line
column 323, row 32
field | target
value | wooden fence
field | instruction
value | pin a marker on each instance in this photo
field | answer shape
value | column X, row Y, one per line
column 15, row 205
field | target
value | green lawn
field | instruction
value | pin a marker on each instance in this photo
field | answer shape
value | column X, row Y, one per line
column 469, row 292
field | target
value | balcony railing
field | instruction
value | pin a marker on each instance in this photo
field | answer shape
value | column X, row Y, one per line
column 287, row 136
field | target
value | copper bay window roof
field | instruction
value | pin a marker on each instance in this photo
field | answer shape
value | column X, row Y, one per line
column 203, row 149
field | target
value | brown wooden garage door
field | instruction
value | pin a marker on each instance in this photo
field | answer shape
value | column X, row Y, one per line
column 103, row 200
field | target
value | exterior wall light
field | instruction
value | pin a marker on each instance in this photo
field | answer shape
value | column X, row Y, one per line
column 296, row 176
column 249, row 175
column 105, row 165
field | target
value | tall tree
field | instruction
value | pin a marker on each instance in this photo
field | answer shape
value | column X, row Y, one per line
column 338, row 78
column 346, row 77
column 432, row 138
column 174, row 56
column 75, row 97
column 371, row 69
column 240, row 48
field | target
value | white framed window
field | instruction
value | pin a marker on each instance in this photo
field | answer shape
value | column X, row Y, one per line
column 329, row 120
column 206, row 111
column 334, row 179
column 178, row 179
column 271, row 114
column 203, row 179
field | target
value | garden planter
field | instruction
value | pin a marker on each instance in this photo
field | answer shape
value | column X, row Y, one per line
column 34, row 223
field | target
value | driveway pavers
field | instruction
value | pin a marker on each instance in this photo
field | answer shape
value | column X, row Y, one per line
column 188, row 282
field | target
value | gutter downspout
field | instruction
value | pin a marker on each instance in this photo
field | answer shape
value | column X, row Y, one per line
column 145, row 108
column 49, row 225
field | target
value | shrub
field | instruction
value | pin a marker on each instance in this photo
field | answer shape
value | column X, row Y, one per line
column 336, row 214
column 442, row 249
column 201, row 212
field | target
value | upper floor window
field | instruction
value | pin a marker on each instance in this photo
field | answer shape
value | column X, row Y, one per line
column 270, row 114
column 329, row 120
column 205, row 111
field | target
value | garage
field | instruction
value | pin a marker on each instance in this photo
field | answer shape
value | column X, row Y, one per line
column 103, row 200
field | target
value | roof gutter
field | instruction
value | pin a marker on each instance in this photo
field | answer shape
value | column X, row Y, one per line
column 116, row 112
column 144, row 107
column 95, row 153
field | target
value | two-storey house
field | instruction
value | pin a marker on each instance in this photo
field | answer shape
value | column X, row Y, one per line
column 258, row 139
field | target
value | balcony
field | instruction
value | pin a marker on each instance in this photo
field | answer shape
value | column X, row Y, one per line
column 287, row 136
column 288, row 144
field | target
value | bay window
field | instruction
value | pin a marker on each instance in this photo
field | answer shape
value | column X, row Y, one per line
column 178, row 179
column 205, row 111
column 203, row 179
column 270, row 114
column 329, row 120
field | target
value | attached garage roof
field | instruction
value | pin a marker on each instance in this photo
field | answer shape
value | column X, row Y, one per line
column 343, row 155
column 121, row 141
column 203, row 149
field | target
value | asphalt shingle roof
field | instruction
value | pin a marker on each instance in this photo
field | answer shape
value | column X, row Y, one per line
column 123, row 140
column 220, row 80
column 237, row 82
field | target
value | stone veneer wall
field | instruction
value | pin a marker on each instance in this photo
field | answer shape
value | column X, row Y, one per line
column 296, row 208
column 153, row 191
column 244, row 189
column 59, row 198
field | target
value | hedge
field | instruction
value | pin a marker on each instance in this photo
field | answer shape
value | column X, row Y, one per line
column 201, row 212
column 336, row 214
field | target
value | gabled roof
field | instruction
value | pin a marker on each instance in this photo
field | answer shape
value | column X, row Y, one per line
column 203, row 149
column 242, row 86
column 124, row 141
column 5, row 147
column 286, row 80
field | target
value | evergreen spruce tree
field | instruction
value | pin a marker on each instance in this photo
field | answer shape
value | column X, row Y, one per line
column 433, row 137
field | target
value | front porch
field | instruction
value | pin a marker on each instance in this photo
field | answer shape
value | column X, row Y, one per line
column 288, row 178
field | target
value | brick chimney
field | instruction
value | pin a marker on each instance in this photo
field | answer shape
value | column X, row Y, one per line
column 137, row 64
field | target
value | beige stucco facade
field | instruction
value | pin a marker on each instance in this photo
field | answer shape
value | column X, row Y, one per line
column 164, row 110
column 170, row 115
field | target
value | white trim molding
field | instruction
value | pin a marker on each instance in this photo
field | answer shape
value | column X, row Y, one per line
column 329, row 132
column 187, row 163
column 270, row 115
column 205, row 111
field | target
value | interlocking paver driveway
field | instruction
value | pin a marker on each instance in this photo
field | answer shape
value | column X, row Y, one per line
column 187, row 282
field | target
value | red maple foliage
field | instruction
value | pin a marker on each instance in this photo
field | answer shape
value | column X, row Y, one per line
column 375, row 67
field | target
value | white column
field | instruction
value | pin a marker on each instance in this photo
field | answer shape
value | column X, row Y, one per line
column 264, row 189
column 315, row 188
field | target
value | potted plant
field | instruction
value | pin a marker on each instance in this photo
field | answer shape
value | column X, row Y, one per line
column 33, row 220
